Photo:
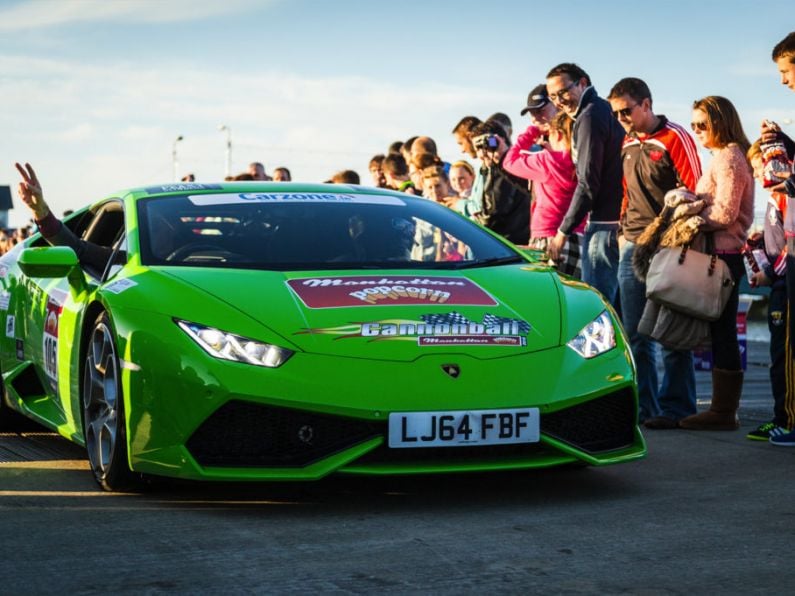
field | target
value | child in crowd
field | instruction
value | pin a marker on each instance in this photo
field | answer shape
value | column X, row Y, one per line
column 772, row 272
column 462, row 176
column 550, row 167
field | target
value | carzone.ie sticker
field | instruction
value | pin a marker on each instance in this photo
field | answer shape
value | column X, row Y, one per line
column 377, row 290
column 294, row 197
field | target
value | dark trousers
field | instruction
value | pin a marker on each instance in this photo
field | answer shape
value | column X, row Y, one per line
column 777, row 323
column 725, row 346
column 789, row 358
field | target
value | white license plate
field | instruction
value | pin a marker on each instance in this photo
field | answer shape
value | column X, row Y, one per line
column 464, row 428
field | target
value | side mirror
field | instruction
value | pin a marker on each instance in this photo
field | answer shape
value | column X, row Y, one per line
column 48, row 261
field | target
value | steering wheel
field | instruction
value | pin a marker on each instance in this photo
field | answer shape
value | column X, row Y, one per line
column 193, row 247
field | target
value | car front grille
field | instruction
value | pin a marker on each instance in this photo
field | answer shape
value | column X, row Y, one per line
column 245, row 434
column 603, row 424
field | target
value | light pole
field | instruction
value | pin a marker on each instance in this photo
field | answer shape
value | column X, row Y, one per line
column 174, row 158
column 228, row 168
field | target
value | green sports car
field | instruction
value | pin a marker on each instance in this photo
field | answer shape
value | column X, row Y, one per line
column 267, row 331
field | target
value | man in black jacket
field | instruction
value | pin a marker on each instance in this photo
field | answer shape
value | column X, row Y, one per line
column 596, row 151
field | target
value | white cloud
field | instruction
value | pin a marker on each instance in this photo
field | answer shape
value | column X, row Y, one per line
column 94, row 129
column 36, row 14
column 76, row 133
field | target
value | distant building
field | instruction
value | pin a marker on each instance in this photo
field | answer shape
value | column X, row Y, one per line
column 5, row 205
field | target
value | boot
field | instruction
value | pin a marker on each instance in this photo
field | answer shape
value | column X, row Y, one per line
column 727, row 385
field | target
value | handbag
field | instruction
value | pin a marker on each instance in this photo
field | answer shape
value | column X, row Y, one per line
column 672, row 329
column 691, row 282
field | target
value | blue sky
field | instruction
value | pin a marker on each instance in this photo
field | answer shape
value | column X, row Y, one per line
column 94, row 92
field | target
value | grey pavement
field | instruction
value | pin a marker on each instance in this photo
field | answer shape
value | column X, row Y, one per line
column 704, row 513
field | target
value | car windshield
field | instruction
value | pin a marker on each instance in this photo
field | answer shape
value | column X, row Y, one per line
column 304, row 231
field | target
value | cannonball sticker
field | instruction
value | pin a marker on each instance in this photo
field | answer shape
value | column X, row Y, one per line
column 376, row 290
column 437, row 330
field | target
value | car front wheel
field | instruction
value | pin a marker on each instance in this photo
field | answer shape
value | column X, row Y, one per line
column 103, row 410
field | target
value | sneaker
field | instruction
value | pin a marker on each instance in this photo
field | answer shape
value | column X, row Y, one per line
column 785, row 440
column 766, row 431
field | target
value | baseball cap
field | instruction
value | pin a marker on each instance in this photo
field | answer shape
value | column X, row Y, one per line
column 538, row 98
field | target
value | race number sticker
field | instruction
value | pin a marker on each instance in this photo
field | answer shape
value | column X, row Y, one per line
column 50, row 337
column 10, row 326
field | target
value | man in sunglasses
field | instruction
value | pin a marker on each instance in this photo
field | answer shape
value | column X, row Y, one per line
column 658, row 156
column 596, row 152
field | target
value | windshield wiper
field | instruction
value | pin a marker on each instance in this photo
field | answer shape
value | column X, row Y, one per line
column 493, row 261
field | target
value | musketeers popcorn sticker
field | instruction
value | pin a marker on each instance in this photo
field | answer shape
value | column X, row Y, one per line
column 374, row 290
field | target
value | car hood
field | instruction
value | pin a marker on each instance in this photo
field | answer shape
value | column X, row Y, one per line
column 395, row 315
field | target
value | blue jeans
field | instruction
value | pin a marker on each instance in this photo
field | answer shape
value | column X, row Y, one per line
column 600, row 259
column 676, row 397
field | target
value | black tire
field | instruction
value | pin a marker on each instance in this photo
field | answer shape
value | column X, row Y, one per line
column 102, row 406
column 11, row 420
column 4, row 409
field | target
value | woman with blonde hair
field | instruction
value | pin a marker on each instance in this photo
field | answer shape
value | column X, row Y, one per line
column 727, row 186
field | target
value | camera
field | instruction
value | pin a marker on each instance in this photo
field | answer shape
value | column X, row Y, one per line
column 486, row 142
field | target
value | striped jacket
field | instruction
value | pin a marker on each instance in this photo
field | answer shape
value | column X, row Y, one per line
column 654, row 164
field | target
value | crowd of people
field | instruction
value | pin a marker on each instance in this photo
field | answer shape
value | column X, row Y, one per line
column 11, row 237
column 584, row 182
column 587, row 180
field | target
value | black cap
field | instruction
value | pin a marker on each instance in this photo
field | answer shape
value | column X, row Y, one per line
column 538, row 98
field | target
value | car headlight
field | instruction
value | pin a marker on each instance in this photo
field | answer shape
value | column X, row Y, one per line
column 596, row 337
column 234, row 347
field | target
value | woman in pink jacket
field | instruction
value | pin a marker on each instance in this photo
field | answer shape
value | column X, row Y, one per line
column 548, row 165
column 727, row 185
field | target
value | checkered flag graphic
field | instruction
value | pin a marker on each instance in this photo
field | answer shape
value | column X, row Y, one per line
column 489, row 320
column 449, row 318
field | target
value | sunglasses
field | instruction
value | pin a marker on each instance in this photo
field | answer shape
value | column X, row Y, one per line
column 562, row 93
column 702, row 126
column 624, row 112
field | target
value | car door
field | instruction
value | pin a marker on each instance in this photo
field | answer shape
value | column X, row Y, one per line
column 56, row 316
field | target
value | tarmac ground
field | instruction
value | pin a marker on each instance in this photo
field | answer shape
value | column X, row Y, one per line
column 703, row 513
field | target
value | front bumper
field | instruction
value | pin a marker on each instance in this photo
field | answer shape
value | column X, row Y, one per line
column 194, row 417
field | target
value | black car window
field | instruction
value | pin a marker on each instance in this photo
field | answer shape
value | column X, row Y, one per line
column 297, row 231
